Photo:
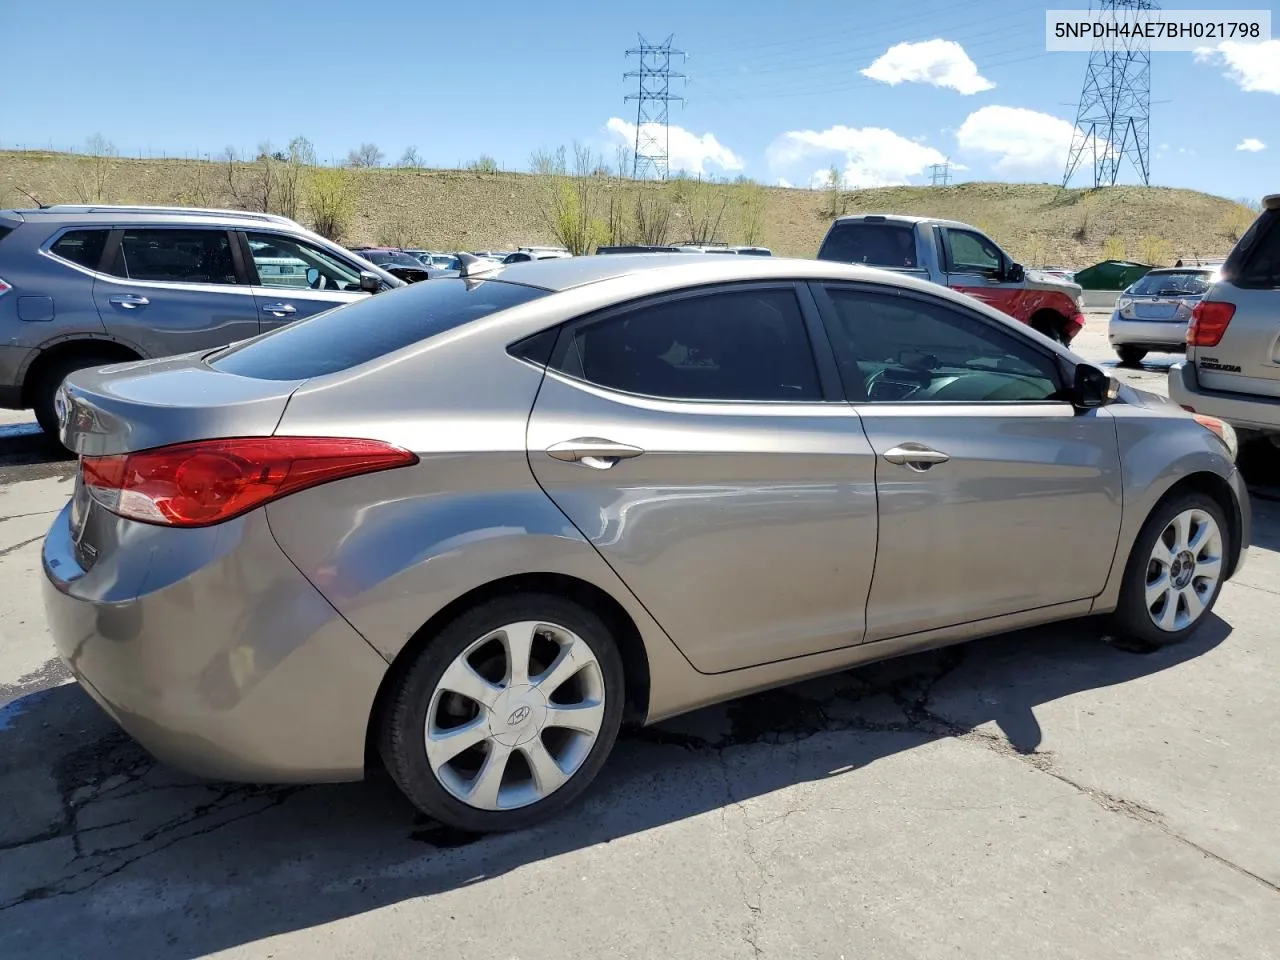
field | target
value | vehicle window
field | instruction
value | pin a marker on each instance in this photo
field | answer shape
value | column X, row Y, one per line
column 971, row 253
column 898, row 349
column 1182, row 284
column 875, row 244
column 1262, row 268
column 176, row 256
column 83, row 247
column 369, row 328
column 740, row 346
column 285, row 262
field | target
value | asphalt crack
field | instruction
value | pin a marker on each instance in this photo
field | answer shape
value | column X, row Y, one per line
column 18, row 546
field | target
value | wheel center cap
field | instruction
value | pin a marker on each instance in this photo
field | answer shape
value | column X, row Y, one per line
column 517, row 716
column 1183, row 569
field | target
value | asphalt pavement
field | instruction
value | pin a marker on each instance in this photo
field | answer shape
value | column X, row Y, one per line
column 1047, row 794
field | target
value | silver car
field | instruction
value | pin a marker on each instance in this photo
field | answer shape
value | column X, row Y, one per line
column 82, row 285
column 472, row 526
column 1153, row 312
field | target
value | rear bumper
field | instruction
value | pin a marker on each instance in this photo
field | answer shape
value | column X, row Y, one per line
column 213, row 651
column 1151, row 334
column 1239, row 410
column 1074, row 325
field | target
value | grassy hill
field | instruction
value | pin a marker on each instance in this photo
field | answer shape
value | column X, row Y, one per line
column 456, row 209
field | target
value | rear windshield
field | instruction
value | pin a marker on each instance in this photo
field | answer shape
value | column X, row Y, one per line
column 1255, row 261
column 1190, row 283
column 875, row 244
column 5, row 231
column 370, row 328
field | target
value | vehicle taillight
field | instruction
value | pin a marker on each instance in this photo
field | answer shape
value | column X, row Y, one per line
column 4, row 288
column 209, row 481
column 1209, row 322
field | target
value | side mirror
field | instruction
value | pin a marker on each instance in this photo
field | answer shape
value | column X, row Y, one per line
column 369, row 282
column 1092, row 387
column 1015, row 273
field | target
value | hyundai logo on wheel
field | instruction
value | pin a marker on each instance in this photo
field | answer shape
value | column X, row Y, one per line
column 518, row 716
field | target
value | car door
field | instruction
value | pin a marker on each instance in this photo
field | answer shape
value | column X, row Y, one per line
column 167, row 290
column 293, row 279
column 976, row 266
column 996, row 495
column 691, row 439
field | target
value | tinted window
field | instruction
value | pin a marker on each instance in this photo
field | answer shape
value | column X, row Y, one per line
column 5, row 231
column 1180, row 284
column 971, row 252
column 1261, row 267
column 176, row 256
column 81, row 246
column 362, row 331
column 745, row 345
column 284, row 262
column 875, row 244
column 897, row 349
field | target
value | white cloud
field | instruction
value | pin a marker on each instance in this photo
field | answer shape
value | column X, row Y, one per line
column 1251, row 144
column 784, row 182
column 871, row 156
column 1255, row 67
column 1020, row 138
column 942, row 63
column 686, row 150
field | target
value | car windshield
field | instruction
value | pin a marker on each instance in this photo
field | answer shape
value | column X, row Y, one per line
column 358, row 332
column 1183, row 283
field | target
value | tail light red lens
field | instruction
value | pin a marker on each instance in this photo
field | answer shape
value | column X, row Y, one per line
column 1209, row 322
column 4, row 287
column 210, row 481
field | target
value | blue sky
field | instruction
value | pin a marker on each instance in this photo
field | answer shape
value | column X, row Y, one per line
column 776, row 91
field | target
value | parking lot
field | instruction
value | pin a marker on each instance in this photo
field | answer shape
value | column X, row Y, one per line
column 1046, row 793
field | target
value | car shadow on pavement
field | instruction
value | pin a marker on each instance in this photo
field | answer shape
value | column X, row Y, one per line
column 116, row 855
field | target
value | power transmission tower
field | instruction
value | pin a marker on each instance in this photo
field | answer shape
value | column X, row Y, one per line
column 940, row 174
column 1113, row 119
column 653, row 136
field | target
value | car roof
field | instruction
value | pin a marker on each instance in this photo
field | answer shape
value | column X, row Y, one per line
column 899, row 218
column 107, row 214
column 663, row 271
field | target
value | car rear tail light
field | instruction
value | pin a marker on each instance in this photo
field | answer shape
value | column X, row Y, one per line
column 1209, row 322
column 209, row 481
column 4, row 287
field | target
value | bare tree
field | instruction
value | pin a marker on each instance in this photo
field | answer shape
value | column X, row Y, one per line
column 410, row 159
column 291, row 176
column 571, row 198
column 92, row 183
column 704, row 205
column 653, row 215
column 751, row 211
column 366, row 155
column 836, row 203
column 399, row 231
column 483, row 164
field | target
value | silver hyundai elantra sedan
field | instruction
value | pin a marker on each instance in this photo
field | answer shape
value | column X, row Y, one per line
column 470, row 527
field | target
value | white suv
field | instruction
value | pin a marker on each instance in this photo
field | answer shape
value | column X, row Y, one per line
column 1232, row 370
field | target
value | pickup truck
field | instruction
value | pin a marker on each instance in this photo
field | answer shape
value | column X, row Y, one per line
column 963, row 258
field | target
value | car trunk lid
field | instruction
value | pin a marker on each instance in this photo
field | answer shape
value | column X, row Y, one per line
column 151, row 403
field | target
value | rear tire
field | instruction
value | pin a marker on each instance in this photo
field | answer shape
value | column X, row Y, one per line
column 1051, row 327
column 517, row 745
column 1130, row 356
column 50, row 379
column 1175, row 572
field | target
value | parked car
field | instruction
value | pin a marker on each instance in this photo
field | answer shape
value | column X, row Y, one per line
column 396, row 262
column 1232, row 369
column 529, row 254
column 963, row 258
column 83, row 285
column 635, row 248
column 1153, row 313
column 471, row 526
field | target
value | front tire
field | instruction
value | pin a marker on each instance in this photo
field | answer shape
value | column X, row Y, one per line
column 1175, row 571
column 1130, row 356
column 506, row 715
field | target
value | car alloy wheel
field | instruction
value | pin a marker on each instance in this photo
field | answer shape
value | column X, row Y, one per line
column 515, row 715
column 1184, row 570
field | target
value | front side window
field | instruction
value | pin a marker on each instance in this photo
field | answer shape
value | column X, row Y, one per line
column 899, row 349
column 176, row 256
column 748, row 345
column 969, row 252
column 82, row 247
column 286, row 262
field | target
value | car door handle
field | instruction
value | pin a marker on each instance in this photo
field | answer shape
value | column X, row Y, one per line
column 129, row 301
column 278, row 309
column 915, row 456
column 592, row 452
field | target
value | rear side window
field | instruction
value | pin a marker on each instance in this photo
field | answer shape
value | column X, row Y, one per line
column 875, row 244
column 370, row 328
column 83, row 247
column 176, row 256
column 1255, row 262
